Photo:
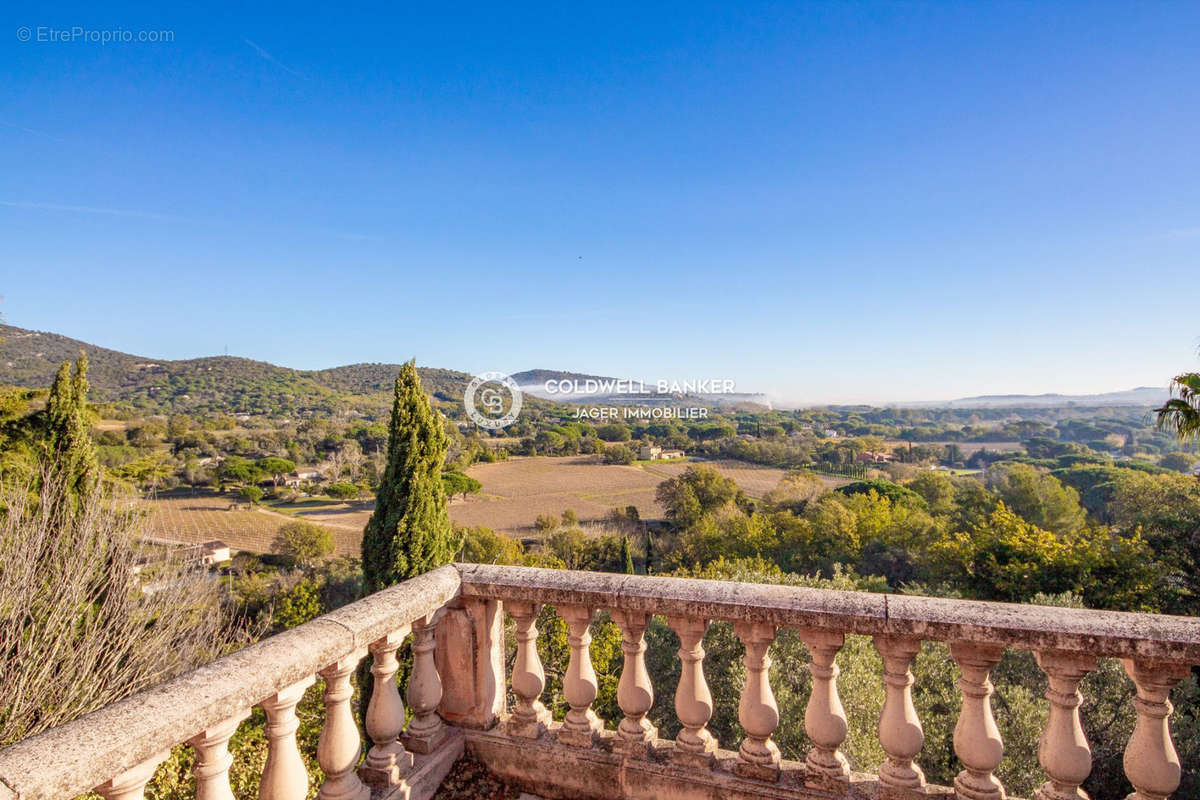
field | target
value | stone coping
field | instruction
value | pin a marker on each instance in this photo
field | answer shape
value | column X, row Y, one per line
column 1102, row 633
column 70, row 759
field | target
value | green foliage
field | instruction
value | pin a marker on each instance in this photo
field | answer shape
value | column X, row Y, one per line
column 701, row 489
column 482, row 545
column 343, row 490
column 892, row 491
column 1181, row 414
column 1038, row 497
column 251, row 494
column 305, row 543
column 626, row 556
column 409, row 532
column 458, row 483
column 68, row 446
column 1178, row 462
column 618, row 454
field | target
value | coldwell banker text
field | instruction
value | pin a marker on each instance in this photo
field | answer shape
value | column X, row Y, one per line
column 603, row 386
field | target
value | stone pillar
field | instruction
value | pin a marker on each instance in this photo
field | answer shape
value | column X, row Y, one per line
column 824, row 717
column 1151, row 763
column 1063, row 749
column 695, row 745
column 470, row 660
column 900, row 731
column 339, row 747
column 284, row 777
column 387, row 760
column 581, row 726
column 131, row 784
column 635, row 694
column 213, row 759
column 976, row 738
column 758, row 757
column 530, row 718
column 426, row 731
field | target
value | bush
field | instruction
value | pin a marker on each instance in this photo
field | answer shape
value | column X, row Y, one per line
column 618, row 454
column 303, row 542
column 251, row 494
column 342, row 491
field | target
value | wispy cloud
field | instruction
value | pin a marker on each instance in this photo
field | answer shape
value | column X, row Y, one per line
column 32, row 131
column 108, row 212
column 268, row 57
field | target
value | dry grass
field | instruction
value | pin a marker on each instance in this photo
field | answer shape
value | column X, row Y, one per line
column 204, row 515
column 515, row 492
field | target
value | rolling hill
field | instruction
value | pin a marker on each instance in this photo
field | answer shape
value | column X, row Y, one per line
column 218, row 384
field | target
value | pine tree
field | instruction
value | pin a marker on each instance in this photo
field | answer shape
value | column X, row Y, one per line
column 70, row 450
column 409, row 532
column 626, row 556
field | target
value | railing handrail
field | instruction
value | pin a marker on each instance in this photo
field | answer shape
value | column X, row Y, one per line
column 71, row 759
column 1115, row 634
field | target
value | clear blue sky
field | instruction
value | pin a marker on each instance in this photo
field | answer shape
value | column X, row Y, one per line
column 827, row 201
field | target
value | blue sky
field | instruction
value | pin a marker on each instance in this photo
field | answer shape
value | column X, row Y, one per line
column 825, row 201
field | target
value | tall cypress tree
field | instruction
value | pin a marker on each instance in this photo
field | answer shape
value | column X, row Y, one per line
column 409, row 532
column 69, row 447
column 626, row 556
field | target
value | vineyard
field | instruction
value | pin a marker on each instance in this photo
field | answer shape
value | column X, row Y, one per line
column 205, row 516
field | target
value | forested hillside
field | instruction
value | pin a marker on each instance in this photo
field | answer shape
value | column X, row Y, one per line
column 218, row 384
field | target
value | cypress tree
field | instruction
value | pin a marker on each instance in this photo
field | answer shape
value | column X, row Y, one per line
column 70, row 450
column 409, row 532
column 626, row 556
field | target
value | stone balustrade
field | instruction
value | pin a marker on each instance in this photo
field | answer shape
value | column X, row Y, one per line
column 456, row 696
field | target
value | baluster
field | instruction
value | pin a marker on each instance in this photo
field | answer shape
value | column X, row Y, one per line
column 339, row 747
column 976, row 738
column 635, row 735
column 530, row 718
column 581, row 727
column 426, row 731
column 213, row 759
column 1151, row 763
column 824, row 718
column 900, row 731
column 695, row 744
column 387, row 759
column 1063, row 749
column 131, row 784
column 284, row 776
column 758, row 757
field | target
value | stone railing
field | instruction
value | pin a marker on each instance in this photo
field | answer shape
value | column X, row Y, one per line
column 575, row 759
column 457, row 689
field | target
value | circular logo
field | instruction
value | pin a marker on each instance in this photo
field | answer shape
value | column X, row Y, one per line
column 485, row 402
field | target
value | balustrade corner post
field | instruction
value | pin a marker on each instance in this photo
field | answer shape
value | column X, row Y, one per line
column 1151, row 763
column 758, row 756
column 387, row 760
column 635, row 694
column 695, row 744
column 1063, row 749
column 581, row 727
column 824, row 717
column 469, row 655
column 426, row 731
column 284, row 776
column 213, row 759
column 900, row 731
column 530, row 719
column 977, row 741
column 339, row 746
column 131, row 784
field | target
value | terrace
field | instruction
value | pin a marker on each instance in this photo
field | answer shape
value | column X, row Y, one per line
column 457, row 697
